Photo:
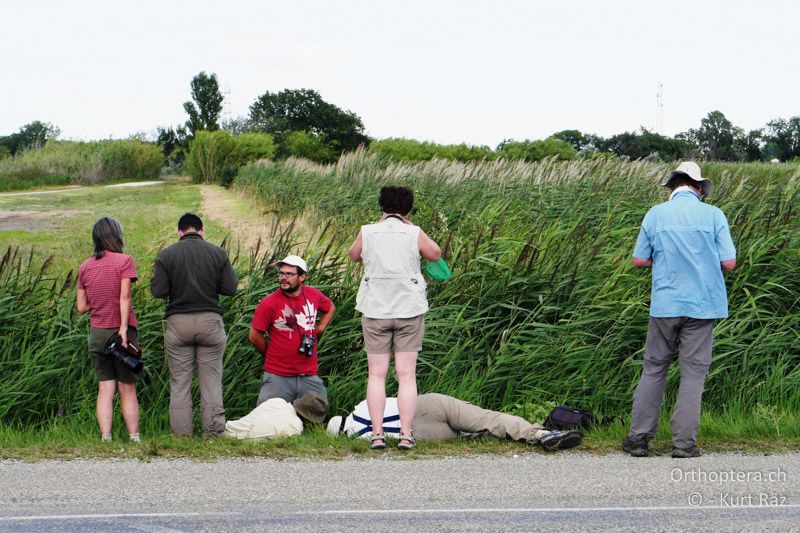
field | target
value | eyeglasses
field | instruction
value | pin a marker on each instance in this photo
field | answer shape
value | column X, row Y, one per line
column 282, row 274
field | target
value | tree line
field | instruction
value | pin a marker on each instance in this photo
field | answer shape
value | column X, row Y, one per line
column 300, row 123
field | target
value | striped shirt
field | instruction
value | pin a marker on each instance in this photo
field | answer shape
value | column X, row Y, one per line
column 359, row 424
column 101, row 279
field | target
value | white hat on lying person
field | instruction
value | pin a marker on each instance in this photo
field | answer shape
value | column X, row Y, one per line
column 270, row 420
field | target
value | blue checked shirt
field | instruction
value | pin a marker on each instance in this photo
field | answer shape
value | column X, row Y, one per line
column 687, row 240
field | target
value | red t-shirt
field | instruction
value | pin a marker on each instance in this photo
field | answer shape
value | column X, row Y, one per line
column 285, row 320
column 101, row 279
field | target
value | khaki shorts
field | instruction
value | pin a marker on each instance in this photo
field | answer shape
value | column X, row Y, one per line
column 387, row 335
column 109, row 368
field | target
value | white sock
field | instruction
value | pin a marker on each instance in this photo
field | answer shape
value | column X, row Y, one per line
column 135, row 437
column 106, row 437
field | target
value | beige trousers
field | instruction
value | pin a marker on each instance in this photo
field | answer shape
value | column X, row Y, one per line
column 440, row 417
column 194, row 337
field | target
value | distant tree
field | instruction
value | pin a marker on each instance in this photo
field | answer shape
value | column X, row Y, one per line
column 32, row 135
column 309, row 146
column 4, row 152
column 8, row 143
column 717, row 136
column 174, row 144
column 582, row 142
column 236, row 125
column 783, row 139
column 205, row 110
column 750, row 146
column 215, row 157
column 293, row 110
column 643, row 144
column 536, row 150
column 398, row 149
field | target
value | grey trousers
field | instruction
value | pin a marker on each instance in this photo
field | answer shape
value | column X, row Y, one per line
column 290, row 388
column 440, row 417
column 194, row 337
column 695, row 337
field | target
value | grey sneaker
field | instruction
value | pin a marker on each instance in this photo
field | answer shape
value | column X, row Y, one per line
column 636, row 447
column 685, row 453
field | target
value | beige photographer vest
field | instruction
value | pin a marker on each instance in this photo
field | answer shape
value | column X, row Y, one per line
column 392, row 286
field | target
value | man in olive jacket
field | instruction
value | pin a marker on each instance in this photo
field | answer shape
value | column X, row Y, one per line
column 191, row 274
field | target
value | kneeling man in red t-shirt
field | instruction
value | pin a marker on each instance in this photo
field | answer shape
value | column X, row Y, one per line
column 285, row 329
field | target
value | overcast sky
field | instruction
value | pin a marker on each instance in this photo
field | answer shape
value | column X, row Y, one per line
column 447, row 71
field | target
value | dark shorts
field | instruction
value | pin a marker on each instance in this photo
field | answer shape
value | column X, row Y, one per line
column 387, row 335
column 109, row 368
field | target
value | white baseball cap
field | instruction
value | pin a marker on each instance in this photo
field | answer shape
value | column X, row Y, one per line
column 294, row 260
column 691, row 169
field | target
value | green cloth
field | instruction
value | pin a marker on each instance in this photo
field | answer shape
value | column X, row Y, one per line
column 438, row 270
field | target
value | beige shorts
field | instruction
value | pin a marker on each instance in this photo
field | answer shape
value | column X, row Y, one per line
column 387, row 335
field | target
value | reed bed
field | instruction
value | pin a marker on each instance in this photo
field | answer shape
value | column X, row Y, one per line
column 543, row 306
column 68, row 162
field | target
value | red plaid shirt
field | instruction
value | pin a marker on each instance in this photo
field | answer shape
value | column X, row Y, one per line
column 101, row 279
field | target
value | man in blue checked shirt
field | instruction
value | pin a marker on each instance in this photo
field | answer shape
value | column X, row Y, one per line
column 687, row 243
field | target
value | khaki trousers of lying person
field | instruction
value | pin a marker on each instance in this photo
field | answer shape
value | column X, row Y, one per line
column 440, row 417
column 194, row 337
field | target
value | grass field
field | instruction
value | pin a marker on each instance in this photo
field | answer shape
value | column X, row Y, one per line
column 543, row 307
column 60, row 225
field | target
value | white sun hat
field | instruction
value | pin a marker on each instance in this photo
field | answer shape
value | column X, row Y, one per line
column 691, row 169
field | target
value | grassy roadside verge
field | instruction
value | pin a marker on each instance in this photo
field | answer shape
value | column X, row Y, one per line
column 66, row 441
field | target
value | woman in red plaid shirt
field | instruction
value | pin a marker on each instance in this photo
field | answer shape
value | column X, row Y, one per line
column 104, row 290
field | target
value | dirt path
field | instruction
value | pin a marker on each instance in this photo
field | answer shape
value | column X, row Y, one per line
column 240, row 217
column 246, row 221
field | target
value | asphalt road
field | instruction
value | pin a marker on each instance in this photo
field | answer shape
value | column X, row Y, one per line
column 529, row 492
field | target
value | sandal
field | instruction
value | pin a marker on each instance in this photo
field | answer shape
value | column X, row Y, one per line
column 407, row 442
column 377, row 441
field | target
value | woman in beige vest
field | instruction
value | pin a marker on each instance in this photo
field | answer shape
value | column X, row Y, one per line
column 392, row 299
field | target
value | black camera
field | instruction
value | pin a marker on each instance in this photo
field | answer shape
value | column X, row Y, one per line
column 306, row 345
column 131, row 356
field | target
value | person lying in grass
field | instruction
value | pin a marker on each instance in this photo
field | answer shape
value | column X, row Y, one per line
column 275, row 418
column 441, row 417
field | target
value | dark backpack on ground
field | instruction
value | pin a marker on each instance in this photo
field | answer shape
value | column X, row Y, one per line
column 566, row 417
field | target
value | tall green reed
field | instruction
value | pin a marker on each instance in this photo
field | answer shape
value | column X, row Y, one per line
column 68, row 162
column 544, row 305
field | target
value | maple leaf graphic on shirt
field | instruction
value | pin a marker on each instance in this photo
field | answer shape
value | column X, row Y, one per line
column 290, row 321
column 307, row 316
column 286, row 321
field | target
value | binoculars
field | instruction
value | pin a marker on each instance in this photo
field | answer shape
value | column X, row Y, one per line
column 306, row 345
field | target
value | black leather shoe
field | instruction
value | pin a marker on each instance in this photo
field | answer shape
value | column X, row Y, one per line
column 561, row 440
column 636, row 447
column 685, row 453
